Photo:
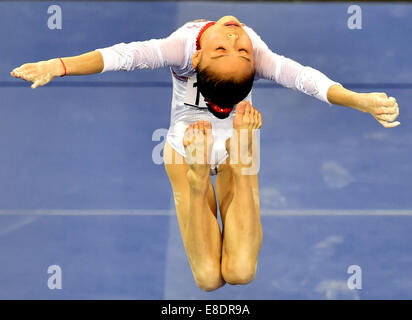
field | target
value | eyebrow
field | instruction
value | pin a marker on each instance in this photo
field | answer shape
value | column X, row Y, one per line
column 224, row 55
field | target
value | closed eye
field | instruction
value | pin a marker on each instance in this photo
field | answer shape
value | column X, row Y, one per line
column 243, row 50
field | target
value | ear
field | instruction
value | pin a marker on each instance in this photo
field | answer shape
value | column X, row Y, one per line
column 196, row 58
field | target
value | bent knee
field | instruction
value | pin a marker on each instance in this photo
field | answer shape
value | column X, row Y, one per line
column 208, row 278
column 240, row 271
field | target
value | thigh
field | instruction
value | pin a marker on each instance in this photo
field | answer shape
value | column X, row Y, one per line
column 224, row 189
column 177, row 168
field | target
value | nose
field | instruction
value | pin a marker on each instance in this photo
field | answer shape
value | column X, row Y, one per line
column 232, row 36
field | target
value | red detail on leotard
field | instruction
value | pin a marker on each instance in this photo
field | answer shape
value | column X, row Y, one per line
column 204, row 28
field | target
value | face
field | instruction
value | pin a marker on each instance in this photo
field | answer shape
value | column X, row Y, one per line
column 225, row 49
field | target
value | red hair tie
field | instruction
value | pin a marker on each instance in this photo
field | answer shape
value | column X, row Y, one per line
column 219, row 109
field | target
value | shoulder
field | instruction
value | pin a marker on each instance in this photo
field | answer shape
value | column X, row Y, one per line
column 249, row 30
column 257, row 42
column 190, row 30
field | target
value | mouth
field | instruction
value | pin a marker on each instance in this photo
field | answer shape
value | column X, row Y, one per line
column 232, row 24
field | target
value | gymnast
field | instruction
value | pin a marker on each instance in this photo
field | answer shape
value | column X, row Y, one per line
column 213, row 67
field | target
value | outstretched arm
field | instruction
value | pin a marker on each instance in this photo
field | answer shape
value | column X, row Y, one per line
column 152, row 54
column 291, row 74
column 383, row 109
column 42, row 72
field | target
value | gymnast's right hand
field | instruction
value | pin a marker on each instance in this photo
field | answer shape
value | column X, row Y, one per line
column 40, row 73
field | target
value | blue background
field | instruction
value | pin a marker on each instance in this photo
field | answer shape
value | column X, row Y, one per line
column 79, row 188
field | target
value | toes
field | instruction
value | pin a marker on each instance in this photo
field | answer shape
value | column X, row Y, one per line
column 190, row 127
column 207, row 128
column 256, row 119
column 188, row 136
column 208, row 125
column 197, row 141
column 240, row 108
column 195, row 129
column 201, row 125
column 200, row 128
column 250, row 117
column 249, row 108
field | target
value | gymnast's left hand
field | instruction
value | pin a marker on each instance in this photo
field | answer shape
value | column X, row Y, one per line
column 385, row 110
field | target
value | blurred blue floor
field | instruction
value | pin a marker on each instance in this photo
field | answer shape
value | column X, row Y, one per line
column 79, row 188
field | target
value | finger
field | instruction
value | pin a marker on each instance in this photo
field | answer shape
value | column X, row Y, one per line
column 386, row 117
column 17, row 74
column 22, row 75
column 389, row 110
column 379, row 110
column 392, row 117
column 32, row 77
column 382, row 95
column 390, row 102
column 16, row 70
column 389, row 124
column 260, row 120
column 41, row 82
column 35, row 84
column 21, row 70
column 392, row 99
column 25, row 76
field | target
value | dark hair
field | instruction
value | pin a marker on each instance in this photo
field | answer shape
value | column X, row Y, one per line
column 225, row 93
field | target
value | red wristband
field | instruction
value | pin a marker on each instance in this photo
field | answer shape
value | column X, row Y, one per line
column 65, row 71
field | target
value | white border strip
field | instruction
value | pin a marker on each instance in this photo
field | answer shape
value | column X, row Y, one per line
column 142, row 212
column 111, row 212
column 325, row 212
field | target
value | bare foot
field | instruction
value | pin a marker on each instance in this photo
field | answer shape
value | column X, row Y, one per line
column 198, row 141
column 245, row 123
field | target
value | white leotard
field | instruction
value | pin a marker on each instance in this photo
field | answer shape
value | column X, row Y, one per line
column 176, row 52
